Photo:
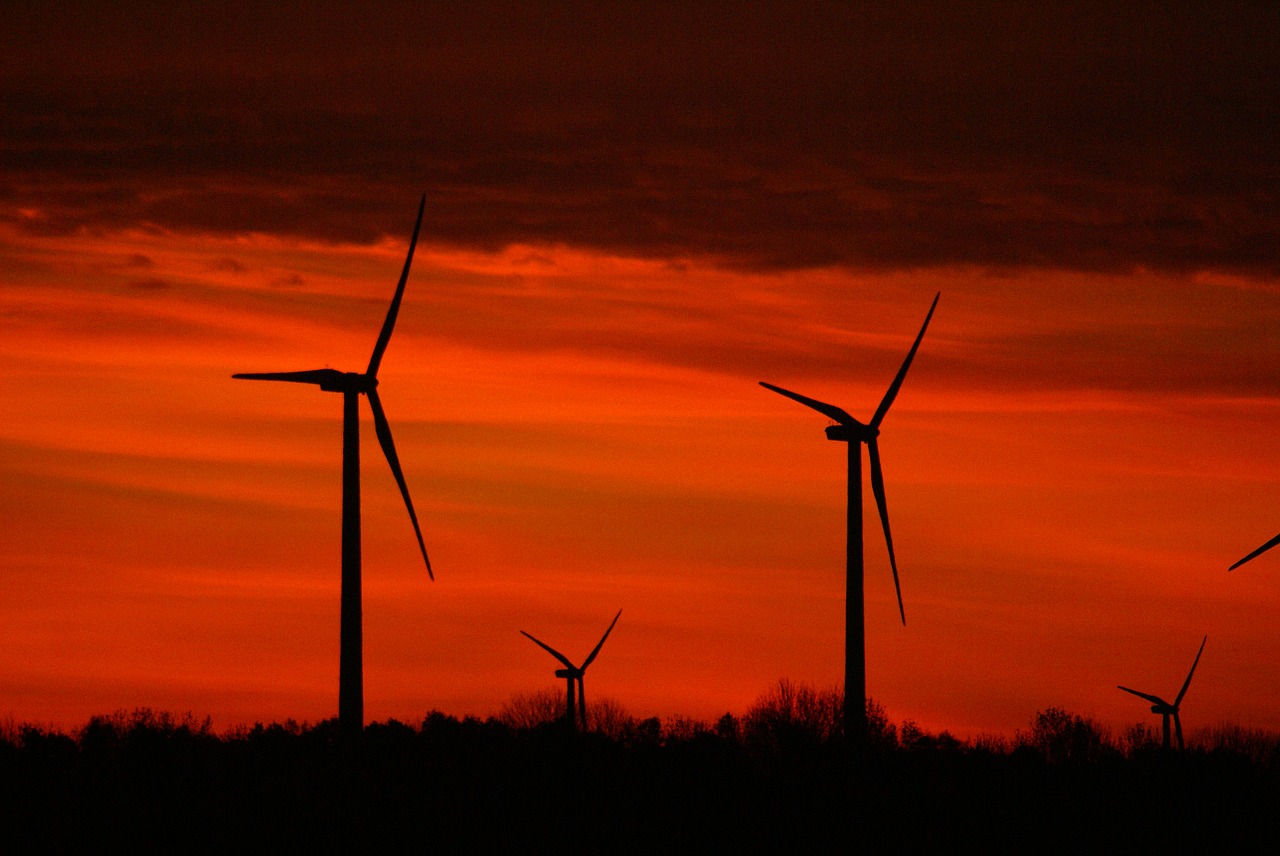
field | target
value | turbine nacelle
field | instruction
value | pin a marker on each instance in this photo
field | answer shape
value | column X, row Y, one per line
column 350, row 382
column 853, row 432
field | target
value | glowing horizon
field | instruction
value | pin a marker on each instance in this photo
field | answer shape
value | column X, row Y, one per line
column 537, row 462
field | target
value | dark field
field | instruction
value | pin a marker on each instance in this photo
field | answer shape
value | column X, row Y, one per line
column 770, row 781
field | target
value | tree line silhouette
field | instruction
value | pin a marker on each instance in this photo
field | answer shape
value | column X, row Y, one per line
column 775, row 777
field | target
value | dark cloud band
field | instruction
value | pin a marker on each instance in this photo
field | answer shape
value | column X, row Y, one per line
column 991, row 134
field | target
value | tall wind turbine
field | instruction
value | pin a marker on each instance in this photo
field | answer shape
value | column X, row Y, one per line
column 1258, row 552
column 852, row 432
column 1164, row 708
column 352, row 385
column 572, row 673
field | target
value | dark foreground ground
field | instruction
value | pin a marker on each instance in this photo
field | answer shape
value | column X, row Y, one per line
column 146, row 783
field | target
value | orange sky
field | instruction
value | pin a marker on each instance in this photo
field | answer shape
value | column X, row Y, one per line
column 1084, row 442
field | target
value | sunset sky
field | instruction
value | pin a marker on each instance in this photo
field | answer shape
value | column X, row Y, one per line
column 633, row 215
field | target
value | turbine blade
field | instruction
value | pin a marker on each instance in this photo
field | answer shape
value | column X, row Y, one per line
column 1177, row 727
column 1187, row 682
column 316, row 376
column 877, row 487
column 383, row 429
column 385, row 336
column 1258, row 552
column 902, row 372
column 582, row 703
column 1154, row 699
column 552, row 651
column 825, row 409
column 600, row 644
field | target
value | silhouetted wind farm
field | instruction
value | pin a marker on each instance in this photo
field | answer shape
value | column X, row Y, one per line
column 352, row 385
column 574, row 674
column 759, row 780
column 639, row 210
column 855, row 434
column 1169, row 710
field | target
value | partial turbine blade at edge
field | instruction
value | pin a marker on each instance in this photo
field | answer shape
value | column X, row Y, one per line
column 552, row 651
column 314, row 376
column 1177, row 701
column 383, row 429
column 829, row 410
column 1258, row 552
column 877, row 487
column 892, row 392
column 385, row 335
column 600, row 644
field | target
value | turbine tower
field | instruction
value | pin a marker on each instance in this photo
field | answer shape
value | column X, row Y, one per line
column 1164, row 708
column 1258, row 552
column 352, row 385
column 572, row 673
column 852, row 432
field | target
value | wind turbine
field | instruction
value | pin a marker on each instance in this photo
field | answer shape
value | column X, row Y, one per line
column 1258, row 552
column 572, row 673
column 852, row 432
column 352, row 385
column 1164, row 708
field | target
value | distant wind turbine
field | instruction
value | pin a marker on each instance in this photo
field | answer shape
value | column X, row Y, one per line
column 854, row 433
column 352, row 385
column 572, row 673
column 1164, row 708
column 1258, row 552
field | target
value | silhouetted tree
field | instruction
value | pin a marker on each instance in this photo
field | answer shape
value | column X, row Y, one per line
column 728, row 727
column 793, row 713
column 682, row 728
column 991, row 744
column 881, row 733
column 1260, row 747
column 912, row 737
column 643, row 732
column 606, row 716
column 1065, row 737
column 532, row 709
column 543, row 707
column 1138, row 738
